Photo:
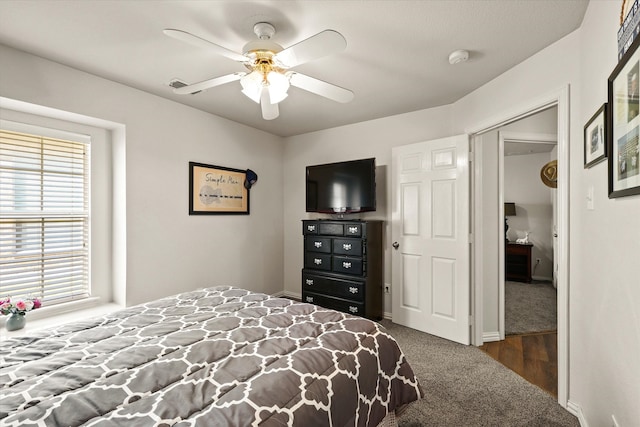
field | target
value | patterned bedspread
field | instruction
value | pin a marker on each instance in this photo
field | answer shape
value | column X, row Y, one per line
column 221, row 356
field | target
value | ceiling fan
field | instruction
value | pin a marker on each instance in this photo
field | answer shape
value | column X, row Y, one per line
column 269, row 67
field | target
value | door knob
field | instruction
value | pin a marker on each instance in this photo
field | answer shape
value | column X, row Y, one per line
column 395, row 245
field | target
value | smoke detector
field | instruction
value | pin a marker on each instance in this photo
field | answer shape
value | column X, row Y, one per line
column 458, row 56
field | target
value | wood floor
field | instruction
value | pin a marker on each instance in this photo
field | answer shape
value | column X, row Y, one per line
column 532, row 356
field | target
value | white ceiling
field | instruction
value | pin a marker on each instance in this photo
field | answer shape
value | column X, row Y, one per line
column 396, row 60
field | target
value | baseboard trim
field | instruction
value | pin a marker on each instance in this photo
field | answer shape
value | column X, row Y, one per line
column 293, row 295
column 490, row 336
column 387, row 315
column 576, row 410
column 542, row 278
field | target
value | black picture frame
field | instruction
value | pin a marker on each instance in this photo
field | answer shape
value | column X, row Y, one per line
column 217, row 190
column 623, row 148
column 595, row 138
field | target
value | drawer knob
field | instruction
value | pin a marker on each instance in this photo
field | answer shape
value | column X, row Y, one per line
column 317, row 244
column 352, row 230
column 346, row 264
column 346, row 246
column 353, row 309
column 309, row 299
column 311, row 228
column 353, row 290
column 317, row 261
column 309, row 282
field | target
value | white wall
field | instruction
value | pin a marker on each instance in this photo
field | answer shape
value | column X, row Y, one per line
column 168, row 251
column 605, row 295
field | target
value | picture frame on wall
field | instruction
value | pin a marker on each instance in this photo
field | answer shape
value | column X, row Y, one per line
column 623, row 148
column 595, row 135
column 217, row 190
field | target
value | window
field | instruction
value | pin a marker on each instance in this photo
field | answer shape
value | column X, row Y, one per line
column 44, row 216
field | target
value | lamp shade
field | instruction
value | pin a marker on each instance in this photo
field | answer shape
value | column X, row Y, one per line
column 278, row 86
column 252, row 86
column 509, row 209
column 254, row 83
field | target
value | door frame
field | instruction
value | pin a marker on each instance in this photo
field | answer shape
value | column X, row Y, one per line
column 560, row 99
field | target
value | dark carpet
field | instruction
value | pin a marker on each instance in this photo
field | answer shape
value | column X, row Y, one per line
column 530, row 307
column 465, row 387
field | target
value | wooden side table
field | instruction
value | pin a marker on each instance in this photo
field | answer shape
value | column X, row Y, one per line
column 518, row 262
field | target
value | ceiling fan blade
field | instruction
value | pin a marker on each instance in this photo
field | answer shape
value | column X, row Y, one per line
column 207, row 84
column 321, row 88
column 269, row 111
column 322, row 44
column 200, row 42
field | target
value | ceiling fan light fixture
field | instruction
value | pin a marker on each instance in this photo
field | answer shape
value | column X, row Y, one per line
column 278, row 86
column 255, row 47
column 267, row 79
column 276, row 83
column 252, row 86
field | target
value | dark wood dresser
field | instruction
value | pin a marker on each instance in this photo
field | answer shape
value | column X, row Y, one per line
column 518, row 262
column 343, row 266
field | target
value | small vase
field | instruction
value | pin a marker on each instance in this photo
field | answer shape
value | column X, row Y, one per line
column 15, row 321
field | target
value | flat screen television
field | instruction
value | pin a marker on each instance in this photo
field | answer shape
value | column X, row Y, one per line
column 343, row 187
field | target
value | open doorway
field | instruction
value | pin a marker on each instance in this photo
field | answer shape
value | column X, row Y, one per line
column 488, row 224
column 528, row 297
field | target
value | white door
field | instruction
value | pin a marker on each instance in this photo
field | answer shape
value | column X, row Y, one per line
column 430, row 235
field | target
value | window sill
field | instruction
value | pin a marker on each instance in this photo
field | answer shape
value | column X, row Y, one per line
column 48, row 317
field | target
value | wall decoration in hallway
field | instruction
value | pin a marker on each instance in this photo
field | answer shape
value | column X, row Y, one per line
column 624, row 122
column 595, row 132
column 549, row 174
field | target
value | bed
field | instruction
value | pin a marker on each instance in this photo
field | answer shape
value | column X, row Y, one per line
column 220, row 356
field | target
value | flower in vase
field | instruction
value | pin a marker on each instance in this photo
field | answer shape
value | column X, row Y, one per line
column 19, row 306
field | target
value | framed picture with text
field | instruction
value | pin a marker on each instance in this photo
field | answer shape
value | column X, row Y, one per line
column 215, row 190
column 623, row 150
column 595, row 134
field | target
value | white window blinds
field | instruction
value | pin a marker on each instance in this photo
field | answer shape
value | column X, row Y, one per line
column 44, row 217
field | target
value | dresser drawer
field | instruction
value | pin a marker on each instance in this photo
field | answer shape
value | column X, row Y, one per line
column 329, row 228
column 518, row 249
column 333, row 286
column 348, row 265
column 351, row 247
column 353, row 229
column 317, row 261
column 339, row 304
column 309, row 227
column 317, row 244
